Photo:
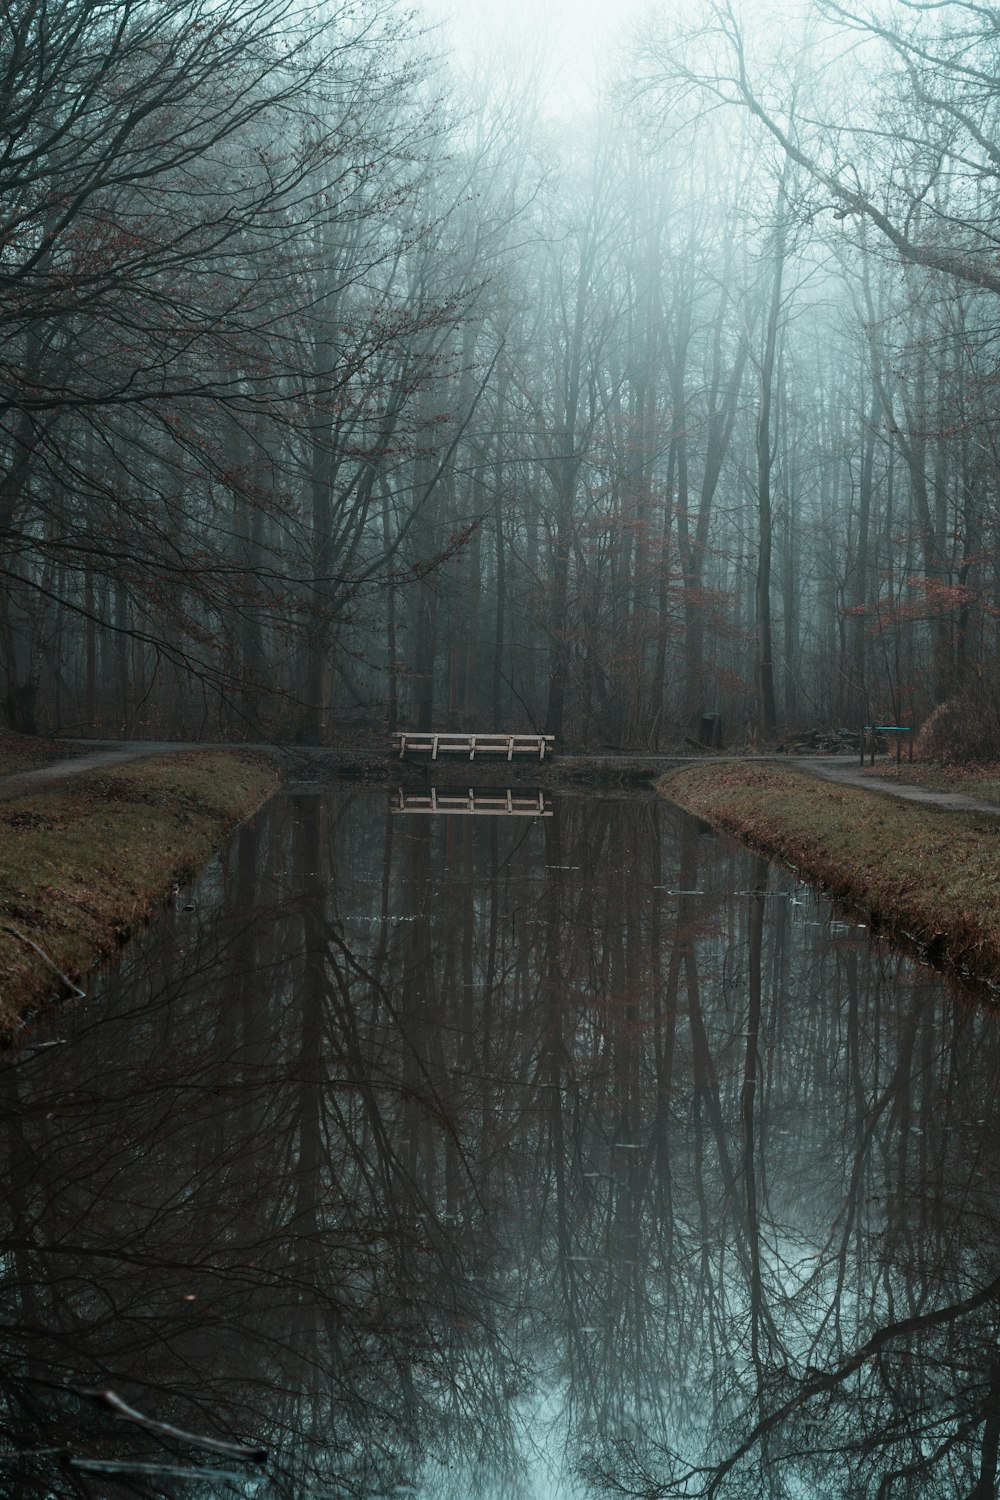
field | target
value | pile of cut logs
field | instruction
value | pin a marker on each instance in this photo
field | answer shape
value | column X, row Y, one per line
column 822, row 742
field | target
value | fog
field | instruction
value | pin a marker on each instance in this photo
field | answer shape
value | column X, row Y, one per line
column 579, row 45
column 602, row 370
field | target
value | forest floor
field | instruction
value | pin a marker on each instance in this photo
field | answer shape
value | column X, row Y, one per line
column 26, row 752
column 920, row 861
column 85, row 859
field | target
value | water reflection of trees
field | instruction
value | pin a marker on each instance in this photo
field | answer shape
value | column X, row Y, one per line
column 462, row 1147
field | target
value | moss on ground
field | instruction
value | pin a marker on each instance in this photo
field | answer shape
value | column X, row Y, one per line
column 84, row 864
column 925, row 873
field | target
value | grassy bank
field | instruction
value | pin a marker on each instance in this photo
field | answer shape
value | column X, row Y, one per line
column 83, row 865
column 922, row 872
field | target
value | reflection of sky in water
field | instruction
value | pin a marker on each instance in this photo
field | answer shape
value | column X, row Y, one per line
column 501, row 1159
column 544, row 1470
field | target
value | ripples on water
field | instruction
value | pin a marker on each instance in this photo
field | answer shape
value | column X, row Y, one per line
column 503, row 1158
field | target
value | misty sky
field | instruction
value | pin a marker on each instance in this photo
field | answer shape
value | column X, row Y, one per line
column 581, row 37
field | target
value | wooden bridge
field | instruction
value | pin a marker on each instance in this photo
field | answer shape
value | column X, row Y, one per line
column 473, row 803
column 434, row 743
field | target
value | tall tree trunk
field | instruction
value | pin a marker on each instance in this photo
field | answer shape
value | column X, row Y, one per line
column 858, row 597
column 723, row 399
column 764, row 652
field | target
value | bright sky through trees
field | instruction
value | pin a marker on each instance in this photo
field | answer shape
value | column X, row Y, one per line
column 578, row 39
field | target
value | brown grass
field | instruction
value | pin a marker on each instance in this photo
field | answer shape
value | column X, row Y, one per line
column 83, row 866
column 924, row 873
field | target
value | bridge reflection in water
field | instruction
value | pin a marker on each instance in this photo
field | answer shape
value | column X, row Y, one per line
column 506, row 804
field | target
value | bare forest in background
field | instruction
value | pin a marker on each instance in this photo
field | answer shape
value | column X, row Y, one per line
column 337, row 394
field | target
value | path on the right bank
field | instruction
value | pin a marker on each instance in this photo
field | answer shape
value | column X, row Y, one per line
column 833, row 768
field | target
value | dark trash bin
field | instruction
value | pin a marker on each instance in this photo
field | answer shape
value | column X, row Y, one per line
column 711, row 731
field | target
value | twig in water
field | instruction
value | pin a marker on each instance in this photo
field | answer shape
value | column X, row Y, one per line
column 119, row 1408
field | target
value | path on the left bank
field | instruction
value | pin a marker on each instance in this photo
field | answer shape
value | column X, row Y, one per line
column 19, row 783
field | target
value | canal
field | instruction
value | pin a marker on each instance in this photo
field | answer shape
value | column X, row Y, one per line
column 522, row 1157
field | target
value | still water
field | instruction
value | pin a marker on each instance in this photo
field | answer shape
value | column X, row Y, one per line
column 530, row 1158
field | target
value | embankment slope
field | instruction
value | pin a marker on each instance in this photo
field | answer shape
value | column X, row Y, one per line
column 83, row 864
column 925, row 873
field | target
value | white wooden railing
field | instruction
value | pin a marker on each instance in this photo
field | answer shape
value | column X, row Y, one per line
column 433, row 743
